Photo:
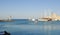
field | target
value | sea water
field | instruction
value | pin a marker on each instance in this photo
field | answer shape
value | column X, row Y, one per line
column 27, row 27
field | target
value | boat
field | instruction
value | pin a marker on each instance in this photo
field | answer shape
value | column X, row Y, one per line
column 53, row 17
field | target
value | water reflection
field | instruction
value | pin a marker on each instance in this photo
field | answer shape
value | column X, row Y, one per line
column 40, row 28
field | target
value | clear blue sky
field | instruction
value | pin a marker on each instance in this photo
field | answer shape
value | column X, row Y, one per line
column 27, row 8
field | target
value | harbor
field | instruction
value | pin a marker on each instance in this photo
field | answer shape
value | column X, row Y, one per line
column 52, row 17
column 29, row 17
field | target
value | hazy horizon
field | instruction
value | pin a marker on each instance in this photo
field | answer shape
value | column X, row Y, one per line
column 28, row 8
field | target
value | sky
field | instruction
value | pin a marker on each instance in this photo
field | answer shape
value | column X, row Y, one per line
column 28, row 8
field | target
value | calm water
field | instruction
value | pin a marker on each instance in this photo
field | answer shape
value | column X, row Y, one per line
column 26, row 27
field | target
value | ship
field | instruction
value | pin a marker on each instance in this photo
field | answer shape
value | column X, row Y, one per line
column 52, row 17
